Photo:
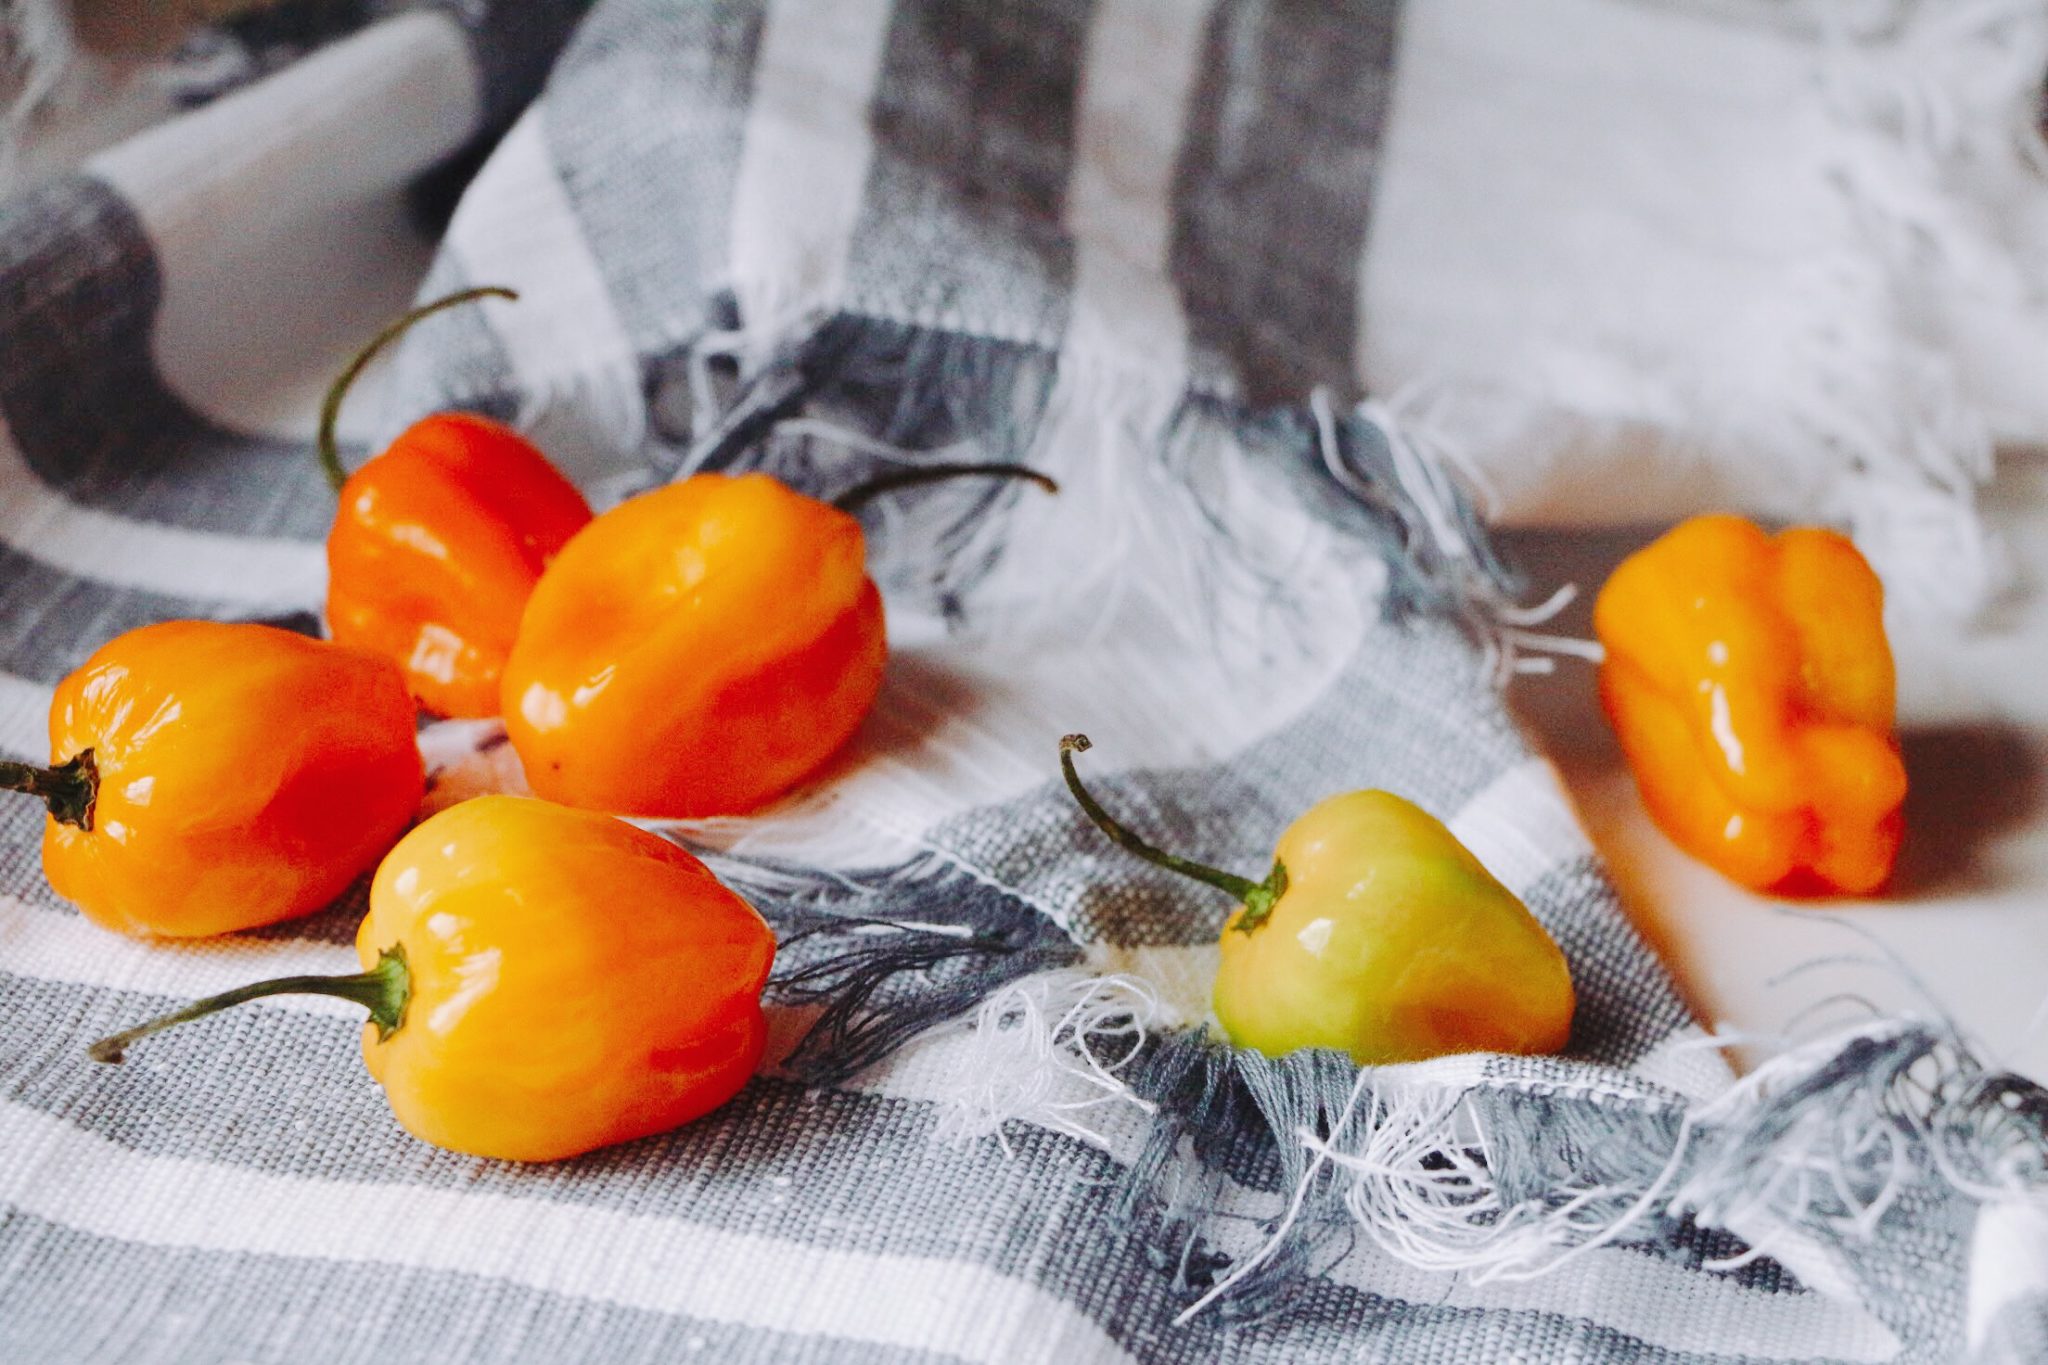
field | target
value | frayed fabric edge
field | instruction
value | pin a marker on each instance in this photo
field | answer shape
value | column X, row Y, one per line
column 833, row 394
column 1138, row 452
column 1046, row 1051
column 1949, row 85
column 1492, row 1177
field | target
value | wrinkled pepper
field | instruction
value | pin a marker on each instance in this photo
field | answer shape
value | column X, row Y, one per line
column 439, row 540
column 1375, row 933
column 206, row 777
column 542, row 982
column 700, row 649
column 1750, row 683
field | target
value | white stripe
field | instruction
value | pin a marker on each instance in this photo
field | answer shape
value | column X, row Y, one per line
column 650, row 1262
column 24, row 718
column 2008, row 1262
column 277, row 215
column 249, row 573
column 1521, row 826
column 516, row 226
column 1138, row 73
column 804, row 157
column 955, row 730
column 1685, row 1062
column 1140, row 67
column 49, row 945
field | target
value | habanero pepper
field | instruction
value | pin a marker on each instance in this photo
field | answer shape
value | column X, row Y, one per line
column 543, row 981
column 1376, row 933
column 439, row 540
column 1750, row 683
column 208, row 776
column 702, row 648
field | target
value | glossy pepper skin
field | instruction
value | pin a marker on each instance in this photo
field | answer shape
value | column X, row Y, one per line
column 439, row 541
column 1378, row 934
column 436, row 547
column 245, row 775
column 1392, row 943
column 1750, row 683
column 544, row 981
column 697, row 650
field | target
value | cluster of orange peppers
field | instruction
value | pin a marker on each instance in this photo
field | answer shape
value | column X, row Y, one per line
column 697, row 650
column 701, row 649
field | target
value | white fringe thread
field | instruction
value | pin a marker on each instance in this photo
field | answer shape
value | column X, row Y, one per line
column 1045, row 1050
column 1420, row 1175
column 1423, row 459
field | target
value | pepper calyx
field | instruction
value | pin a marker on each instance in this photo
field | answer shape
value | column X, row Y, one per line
column 385, row 990
column 70, row 789
column 393, row 991
column 1260, row 900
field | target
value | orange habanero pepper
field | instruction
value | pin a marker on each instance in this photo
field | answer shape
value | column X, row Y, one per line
column 543, row 981
column 206, row 777
column 439, row 541
column 1750, row 683
column 701, row 648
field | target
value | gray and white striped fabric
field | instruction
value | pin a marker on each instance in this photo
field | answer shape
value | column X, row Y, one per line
column 1121, row 239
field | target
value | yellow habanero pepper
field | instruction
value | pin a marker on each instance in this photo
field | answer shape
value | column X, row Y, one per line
column 1378, row 934
column 543, row 981
column 1750, row 683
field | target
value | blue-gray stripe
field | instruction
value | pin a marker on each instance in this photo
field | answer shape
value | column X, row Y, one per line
column 1627, row 1001
column 973, row 123
column 652, row 187
column 1274, row 189
column 515, row 42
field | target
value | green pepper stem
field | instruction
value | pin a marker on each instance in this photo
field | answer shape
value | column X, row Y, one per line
column 330, row 406
column 70, row 789
column 1256, row 897
column 858, row 496
column 384, row 989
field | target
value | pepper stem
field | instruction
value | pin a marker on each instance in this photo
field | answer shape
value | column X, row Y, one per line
column 384, row 989
column 858, row 496
column 70, row 789
column 330, row 406
column 1256, row 897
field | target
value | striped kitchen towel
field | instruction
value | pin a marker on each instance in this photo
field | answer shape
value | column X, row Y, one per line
column 1118, row 239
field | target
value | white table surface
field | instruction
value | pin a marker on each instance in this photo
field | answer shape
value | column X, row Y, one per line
column 1967, row 913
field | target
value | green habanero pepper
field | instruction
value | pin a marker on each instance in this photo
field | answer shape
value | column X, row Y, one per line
column 1378, row 934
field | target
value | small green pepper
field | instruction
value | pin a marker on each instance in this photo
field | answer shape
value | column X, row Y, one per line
column 1376, row 933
